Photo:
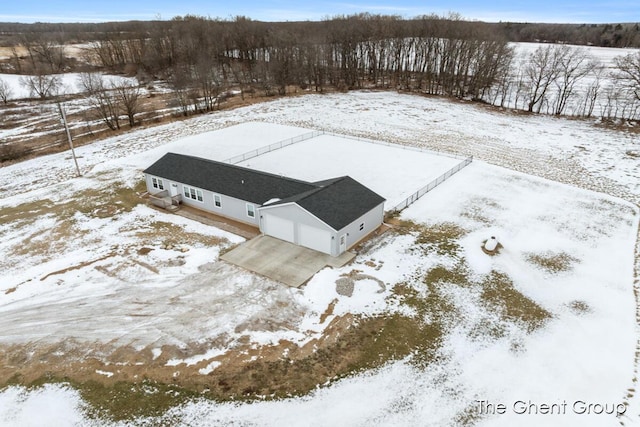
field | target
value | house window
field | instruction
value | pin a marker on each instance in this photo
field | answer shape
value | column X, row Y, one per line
column 251, row 212
column 193, row 193
column 217, row 200
column 362, row 226
column 157, row 183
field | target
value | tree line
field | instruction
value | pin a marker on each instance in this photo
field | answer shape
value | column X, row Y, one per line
column 603, row 35
column 203, row 60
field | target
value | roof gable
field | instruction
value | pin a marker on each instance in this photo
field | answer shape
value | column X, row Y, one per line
column 340, row 202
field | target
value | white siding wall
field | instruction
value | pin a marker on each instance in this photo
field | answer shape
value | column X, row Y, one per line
column 233, row 208
column 371, row 220
column 324, row 239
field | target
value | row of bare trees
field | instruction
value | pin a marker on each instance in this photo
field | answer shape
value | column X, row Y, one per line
column 203, row 59
column 568, row 80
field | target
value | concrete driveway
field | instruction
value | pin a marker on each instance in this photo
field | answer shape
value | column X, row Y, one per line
column 285, row 262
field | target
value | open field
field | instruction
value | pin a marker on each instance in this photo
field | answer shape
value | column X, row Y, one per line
column 108, row 297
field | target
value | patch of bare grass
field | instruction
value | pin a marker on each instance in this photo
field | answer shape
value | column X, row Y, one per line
column 29, row 211
column 124, row 400
column 170, row 234
column 499, row 294
column 52, row 242
column 487, row 327
column 579, row 307
column 107, row 202
column 456, row 275
column 47, row 243
column 441, row 238
column 368, row 343
column 553, row 262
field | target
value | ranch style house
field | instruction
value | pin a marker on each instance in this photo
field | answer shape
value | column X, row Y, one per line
column 329, row 216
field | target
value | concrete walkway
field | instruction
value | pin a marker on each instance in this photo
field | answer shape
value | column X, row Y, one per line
column 282, row 261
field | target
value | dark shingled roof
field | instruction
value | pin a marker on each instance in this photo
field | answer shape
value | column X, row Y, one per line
column 235, row 181
column 341, row 202
column 337, row 201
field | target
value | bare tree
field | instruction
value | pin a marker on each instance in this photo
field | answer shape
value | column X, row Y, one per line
column 46, row 54
column 42, row 85
column 5, row 91
column 128, row 93
column 593, row 90
column 181, row 83
column 574, row 64
column 103, row 101
column 541, row 71
column 629, row 72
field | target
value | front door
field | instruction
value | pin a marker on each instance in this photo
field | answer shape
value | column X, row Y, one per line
column 173, row 189
column 343, row 243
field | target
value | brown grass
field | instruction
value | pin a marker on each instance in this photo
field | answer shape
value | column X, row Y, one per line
column 579, row 307
column 150, row 388
column 441, row 238
column 500, row 296
column 76, row 267
column 553, row 262
column 170, row 234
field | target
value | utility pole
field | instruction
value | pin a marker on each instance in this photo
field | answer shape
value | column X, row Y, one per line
column 66, row 127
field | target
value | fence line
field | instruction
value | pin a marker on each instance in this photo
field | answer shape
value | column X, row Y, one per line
column 430, row 186
column 400, row 206
column 275, row 146
column 395, row 145
column 281, row 144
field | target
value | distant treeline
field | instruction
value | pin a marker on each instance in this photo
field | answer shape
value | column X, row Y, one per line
column 204, row 60
column 604, row 35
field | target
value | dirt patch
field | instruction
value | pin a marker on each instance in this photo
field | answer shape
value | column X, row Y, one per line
column 345, row 285
column 76, row 267
column 329, row 311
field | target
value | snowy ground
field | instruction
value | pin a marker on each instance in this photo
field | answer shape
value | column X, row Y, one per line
column 333, row 156
column 69, row 82
column 584, row 352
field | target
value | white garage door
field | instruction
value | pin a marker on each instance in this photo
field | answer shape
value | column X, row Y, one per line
column 315, row 238
column 277, row 227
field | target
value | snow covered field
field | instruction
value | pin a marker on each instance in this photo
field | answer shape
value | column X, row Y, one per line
column 333, row 156
column 69, row 82
column 584, row 350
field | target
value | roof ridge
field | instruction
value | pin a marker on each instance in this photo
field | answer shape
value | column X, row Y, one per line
column 318, row 189
column 330, row 181
column 233, row 166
